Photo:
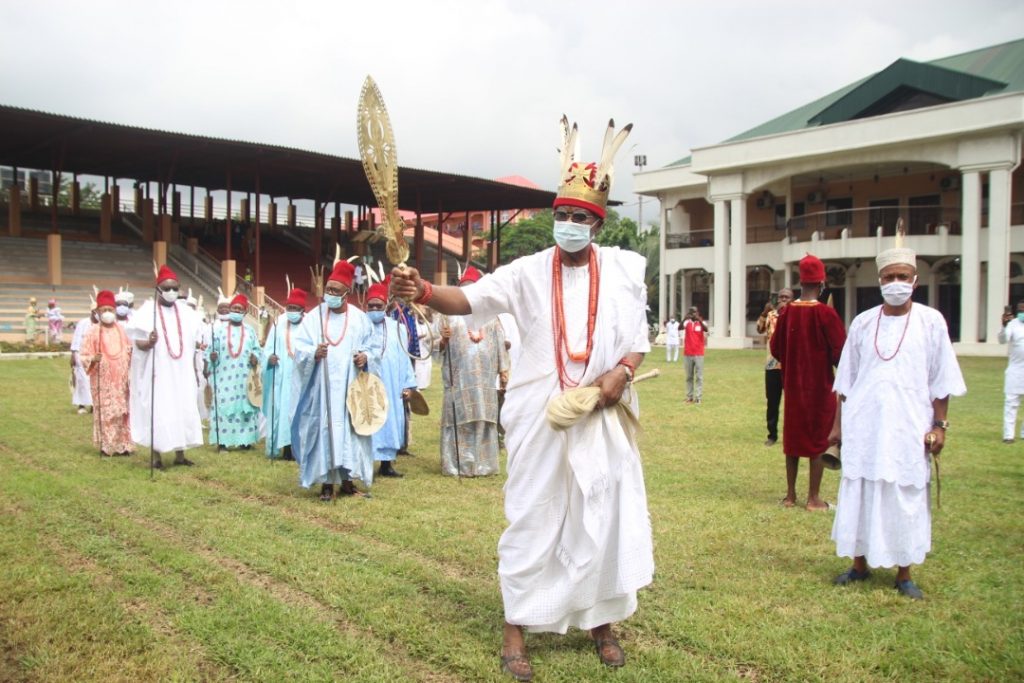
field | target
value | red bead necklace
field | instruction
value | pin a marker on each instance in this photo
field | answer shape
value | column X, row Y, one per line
column 163, row 326
column 558, row 318
column 344, row 330
column 475, row 337
column 878, row 324
column 241, row 342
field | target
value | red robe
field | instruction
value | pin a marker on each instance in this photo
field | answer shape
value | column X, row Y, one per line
column 808, row 340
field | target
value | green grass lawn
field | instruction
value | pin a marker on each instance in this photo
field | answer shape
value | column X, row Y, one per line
column 229, row 570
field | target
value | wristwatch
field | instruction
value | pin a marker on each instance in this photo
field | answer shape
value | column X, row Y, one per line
column 941, row 424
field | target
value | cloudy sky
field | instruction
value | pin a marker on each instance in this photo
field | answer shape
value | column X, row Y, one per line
column 474, row 87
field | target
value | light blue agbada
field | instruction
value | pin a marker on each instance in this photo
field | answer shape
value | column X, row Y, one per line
column 233, row 421
column 278, row 403
column 393, row 366
column 348, row 333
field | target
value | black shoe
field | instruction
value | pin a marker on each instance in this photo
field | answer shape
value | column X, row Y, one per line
column 909, row 588
column 851, row 575
column 247, row 447
column 770, row 441
column 389, row 471
column 222, row 448
column 286, row 454
column 183, row 461
column 158, row 463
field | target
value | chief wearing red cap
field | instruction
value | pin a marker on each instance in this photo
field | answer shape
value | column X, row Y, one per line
column 390, row 362
column 580, row 310
column 335, row 336
column 808, row 341
column 278, row 366
column 233, row 354
column 107, row 354
column 164, row 412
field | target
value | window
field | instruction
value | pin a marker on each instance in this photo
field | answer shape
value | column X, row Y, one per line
column 839, row 212
column 884, row 213
column 924, row 214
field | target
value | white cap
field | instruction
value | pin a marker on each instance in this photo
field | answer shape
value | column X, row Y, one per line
column 901, row 255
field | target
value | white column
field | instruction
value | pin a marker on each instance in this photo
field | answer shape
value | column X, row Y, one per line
column 672, row 304
column 998, row 285
column 738, row 269
column 850, row 296
column 662, row 258
column 720, row 300
column 684, row 296
column 970, row 260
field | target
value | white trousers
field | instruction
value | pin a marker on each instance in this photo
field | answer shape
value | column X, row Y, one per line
column 1010, row 416
column 672, row 352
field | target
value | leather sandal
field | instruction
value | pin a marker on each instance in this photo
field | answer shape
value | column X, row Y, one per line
column 617, row 659
column 517, row 666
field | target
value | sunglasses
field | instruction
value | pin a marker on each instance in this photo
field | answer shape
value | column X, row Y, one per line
column 169, row 289
column 575, row 216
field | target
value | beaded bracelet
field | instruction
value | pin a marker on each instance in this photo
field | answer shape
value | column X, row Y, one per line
column 428, row 291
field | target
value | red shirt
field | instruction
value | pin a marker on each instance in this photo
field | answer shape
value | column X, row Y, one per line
column 693, row 337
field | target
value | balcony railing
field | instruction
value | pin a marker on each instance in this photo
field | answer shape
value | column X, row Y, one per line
column 693, row 238
column 865, row 222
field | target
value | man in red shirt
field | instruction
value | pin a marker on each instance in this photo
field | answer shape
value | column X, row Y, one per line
column 695, row 335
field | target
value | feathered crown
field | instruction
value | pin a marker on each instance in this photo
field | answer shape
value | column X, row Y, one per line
column 587, row 185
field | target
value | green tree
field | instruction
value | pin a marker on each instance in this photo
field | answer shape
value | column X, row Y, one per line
column 527, row 236
column 617, row 232
column 89, row 196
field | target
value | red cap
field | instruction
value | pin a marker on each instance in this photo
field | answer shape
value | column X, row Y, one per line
column 296, row 297
column 105, row 298
column 165, row 274
column 593, row 208
column 812, row 270
column 343, row 272
column 471, row 275
column 377, row 291
column 240, row 299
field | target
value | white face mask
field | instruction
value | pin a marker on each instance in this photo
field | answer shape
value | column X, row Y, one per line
column 572, row 237
column 222, row 316
column 107, row 317
column 170, row 296
column 897, row 293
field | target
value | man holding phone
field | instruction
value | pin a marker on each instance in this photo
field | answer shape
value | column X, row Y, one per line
column 1013, row 383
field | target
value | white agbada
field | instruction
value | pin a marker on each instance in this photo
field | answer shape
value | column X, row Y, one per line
column 81, row 394
column 425, row 367
column 578, row 545
column 176, row 424
column 1013, row 381
column 883, row 511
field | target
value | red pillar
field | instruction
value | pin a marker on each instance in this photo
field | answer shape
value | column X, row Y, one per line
column 256, row 270
column 227, row 224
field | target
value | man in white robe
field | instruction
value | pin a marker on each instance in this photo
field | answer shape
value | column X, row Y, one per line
column 578, row 544
column 1013, row 381
column 81, row 391
column 278, row 368
column 672, row 341
column 335, row 335
column 894, row 380
column 169, row 395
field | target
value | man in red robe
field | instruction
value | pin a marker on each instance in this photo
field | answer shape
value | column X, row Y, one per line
column 808, row 340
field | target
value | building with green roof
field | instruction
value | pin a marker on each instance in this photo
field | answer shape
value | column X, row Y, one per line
column 933, row 147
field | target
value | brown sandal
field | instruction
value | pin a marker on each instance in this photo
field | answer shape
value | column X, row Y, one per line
column 517, row 666
column 617, row 659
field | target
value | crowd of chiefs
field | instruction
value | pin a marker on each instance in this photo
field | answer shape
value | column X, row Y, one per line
column 334, row 387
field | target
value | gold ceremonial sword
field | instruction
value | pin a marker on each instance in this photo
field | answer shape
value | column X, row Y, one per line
column 380, row 162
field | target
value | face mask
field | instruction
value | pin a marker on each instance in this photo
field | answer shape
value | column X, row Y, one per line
column 572, row 237
column 897, row 293
column 295, row 317
column 222, row 316
column 235, row 317
column 170, row 296
column 333, row 301
column 107, row 317
column 122, row 311
column 376, row 317
column 1020, row 317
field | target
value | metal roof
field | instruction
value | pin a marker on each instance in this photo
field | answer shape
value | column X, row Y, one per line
column 41, row 140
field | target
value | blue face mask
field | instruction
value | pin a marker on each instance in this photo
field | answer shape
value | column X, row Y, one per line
column 236, row 317
column 122, row 311
column 377, row 317
column 572, row 237
column 1020, row 316
column 295, row 317
column 333, row 301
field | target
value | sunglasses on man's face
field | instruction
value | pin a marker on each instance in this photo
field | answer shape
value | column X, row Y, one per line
column 575, row 216
column 169, row 289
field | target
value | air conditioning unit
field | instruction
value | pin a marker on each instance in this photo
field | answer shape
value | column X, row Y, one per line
column 950, row 182
column 816, row 197
column 766, row 201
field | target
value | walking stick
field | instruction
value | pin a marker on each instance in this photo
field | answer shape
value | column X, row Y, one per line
column 152, row 388
column 216, row 419
column 451, row 391
column 99, row 384
column 318, row 279
column 273, row 390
